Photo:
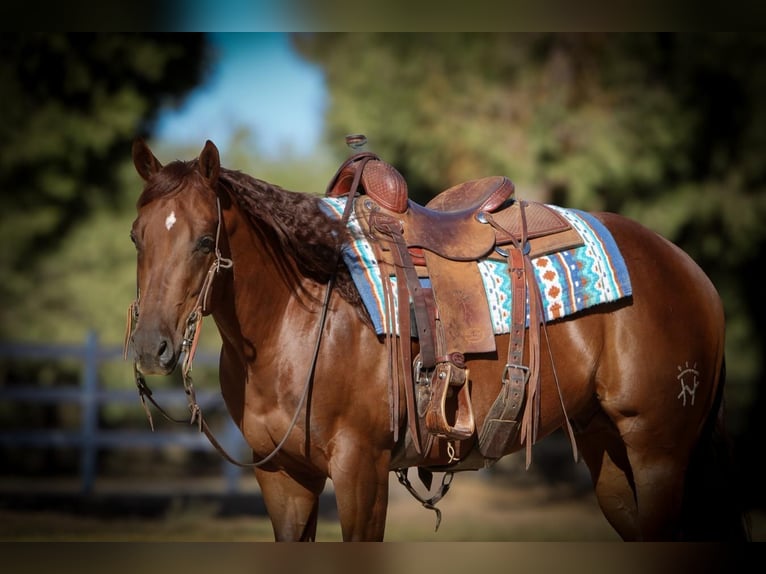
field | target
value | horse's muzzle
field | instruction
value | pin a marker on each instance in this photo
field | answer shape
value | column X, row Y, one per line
column 154, row 355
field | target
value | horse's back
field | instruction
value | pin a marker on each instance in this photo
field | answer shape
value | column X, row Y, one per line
column 647, row 252
column 670, row 290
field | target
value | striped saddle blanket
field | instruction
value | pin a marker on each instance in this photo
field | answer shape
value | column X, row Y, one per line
column 570, row 281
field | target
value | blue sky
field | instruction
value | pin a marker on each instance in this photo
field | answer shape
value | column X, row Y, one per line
column 258, row 83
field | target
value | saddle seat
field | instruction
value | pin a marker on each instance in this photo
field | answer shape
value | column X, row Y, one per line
column 485, row 194
column 451, row 225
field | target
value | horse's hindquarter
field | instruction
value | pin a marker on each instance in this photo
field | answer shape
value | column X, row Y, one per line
column 662, row 352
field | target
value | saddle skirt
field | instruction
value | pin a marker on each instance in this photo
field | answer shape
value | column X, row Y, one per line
column 570, row 280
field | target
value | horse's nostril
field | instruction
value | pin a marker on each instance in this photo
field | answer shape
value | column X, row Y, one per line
column 165, row 353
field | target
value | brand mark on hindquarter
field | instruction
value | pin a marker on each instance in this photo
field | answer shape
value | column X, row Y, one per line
column 688, row 377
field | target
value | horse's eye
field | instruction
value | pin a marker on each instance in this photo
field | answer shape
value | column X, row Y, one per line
column 133, row 238
column 206, row 244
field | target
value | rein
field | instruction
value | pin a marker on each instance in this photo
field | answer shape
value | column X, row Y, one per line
column 191, row 338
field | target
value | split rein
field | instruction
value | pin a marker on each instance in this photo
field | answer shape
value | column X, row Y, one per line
column 191, row 338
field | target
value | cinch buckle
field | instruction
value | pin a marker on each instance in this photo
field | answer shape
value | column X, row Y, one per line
column 508, row 367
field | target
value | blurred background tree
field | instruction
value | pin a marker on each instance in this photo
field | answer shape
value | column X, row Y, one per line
column 71, row 105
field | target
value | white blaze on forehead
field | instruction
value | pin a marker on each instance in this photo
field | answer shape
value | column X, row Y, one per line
column 170, row 220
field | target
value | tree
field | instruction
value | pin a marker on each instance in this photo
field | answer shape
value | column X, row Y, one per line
column 72, row 104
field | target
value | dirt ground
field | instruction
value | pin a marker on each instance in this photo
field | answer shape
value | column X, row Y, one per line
column 475, row 509
column 480, row 506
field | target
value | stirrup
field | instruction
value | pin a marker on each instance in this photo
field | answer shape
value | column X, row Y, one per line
column 446, row 377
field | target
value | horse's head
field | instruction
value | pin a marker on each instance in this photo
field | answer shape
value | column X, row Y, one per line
column 176, row 234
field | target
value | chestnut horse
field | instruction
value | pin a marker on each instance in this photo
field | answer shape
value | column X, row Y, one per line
column 259, row 259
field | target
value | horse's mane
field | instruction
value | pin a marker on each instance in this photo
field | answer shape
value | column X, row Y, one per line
column 290, row 223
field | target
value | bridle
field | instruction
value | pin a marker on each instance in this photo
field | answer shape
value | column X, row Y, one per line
column 191, row 338
column 188, row 344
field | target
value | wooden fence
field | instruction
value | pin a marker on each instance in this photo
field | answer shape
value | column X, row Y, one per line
column 91, row 396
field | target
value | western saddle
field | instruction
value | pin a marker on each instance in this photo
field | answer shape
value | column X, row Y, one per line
column 432, row 251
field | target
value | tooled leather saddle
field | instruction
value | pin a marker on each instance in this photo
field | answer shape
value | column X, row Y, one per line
column 448, row 316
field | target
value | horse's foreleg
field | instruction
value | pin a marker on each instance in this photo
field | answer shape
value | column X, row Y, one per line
column 293, row 505
column 360, row 479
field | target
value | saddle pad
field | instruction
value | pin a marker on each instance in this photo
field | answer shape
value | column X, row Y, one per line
column 570, row 280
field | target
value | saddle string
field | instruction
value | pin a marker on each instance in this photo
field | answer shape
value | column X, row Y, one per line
column 391, row 356
column 531, row 416
column 407, row 289
column 567, row 423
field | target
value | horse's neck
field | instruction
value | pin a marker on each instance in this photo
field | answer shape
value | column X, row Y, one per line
column 255, row 298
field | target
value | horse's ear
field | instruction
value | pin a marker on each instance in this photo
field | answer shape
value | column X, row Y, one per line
column 210, row 162
column 143, row 158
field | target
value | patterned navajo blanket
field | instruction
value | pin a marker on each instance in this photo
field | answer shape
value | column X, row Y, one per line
column 570, row 281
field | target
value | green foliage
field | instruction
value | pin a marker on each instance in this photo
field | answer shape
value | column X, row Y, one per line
column 72, row 104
